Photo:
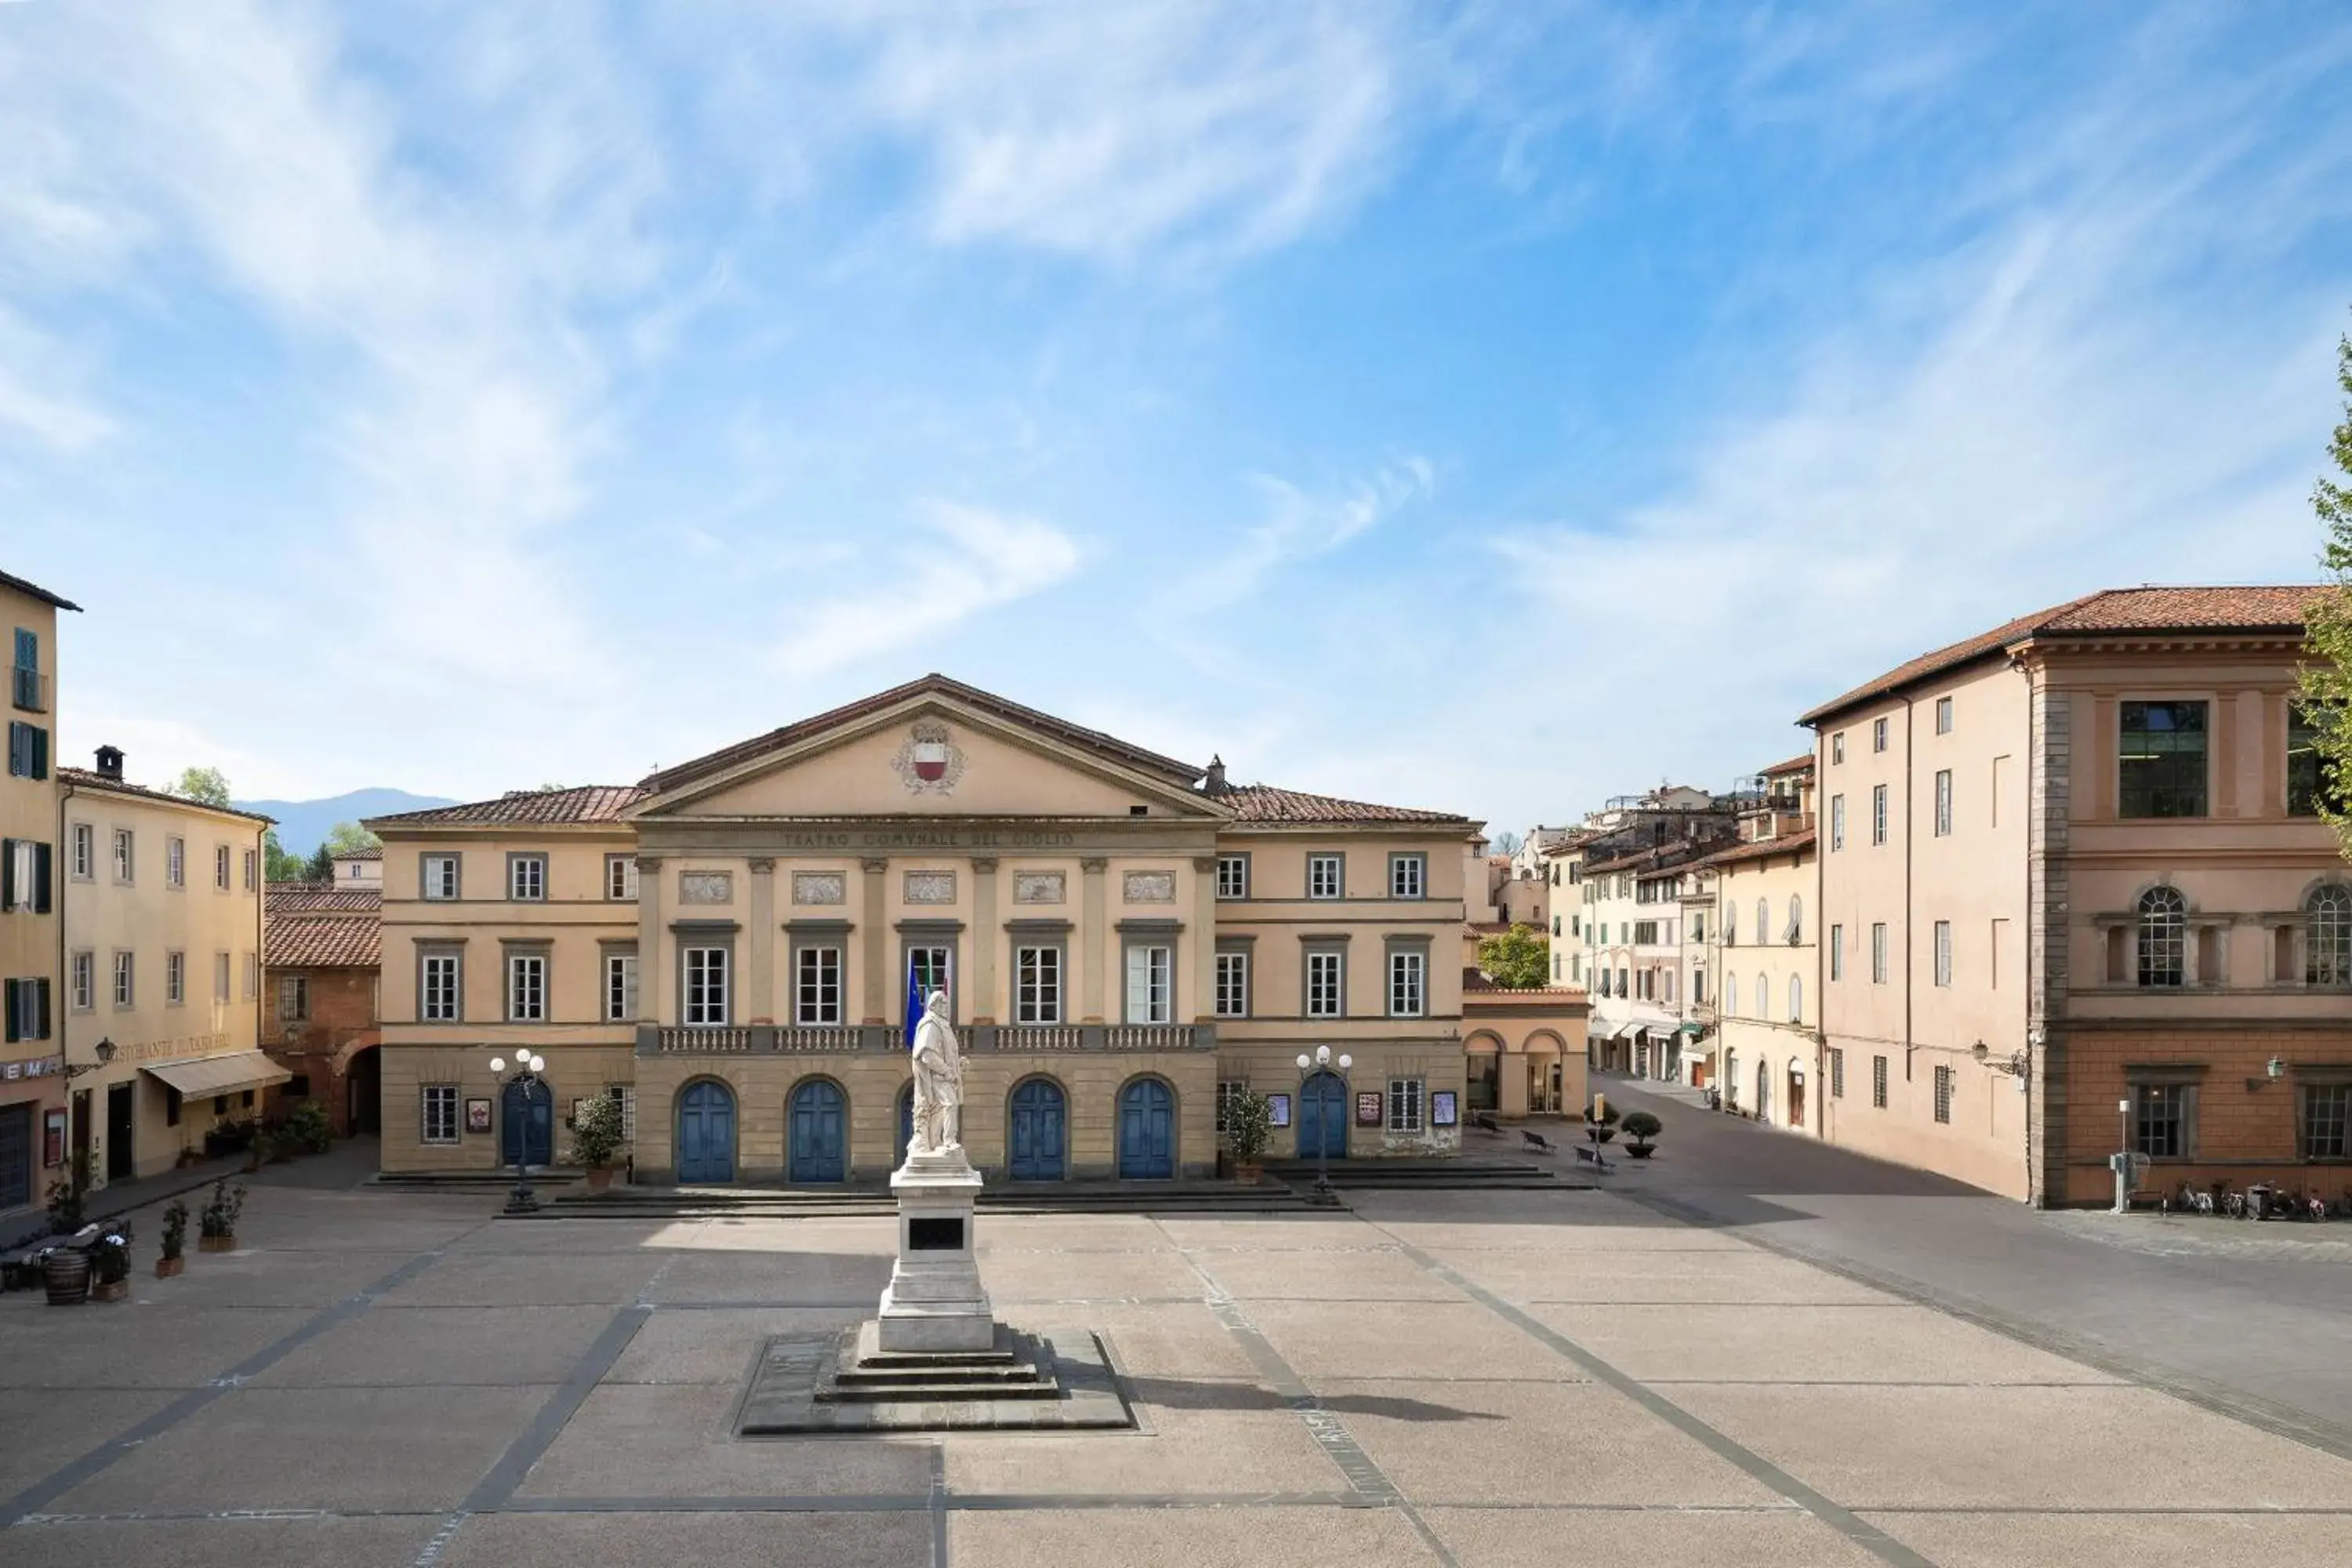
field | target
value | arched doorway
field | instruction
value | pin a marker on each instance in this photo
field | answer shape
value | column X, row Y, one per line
column 1039, row 1114
column 526, row 1123
column 1323, row 1118
column 819, row 1132
column 1763, row 1091
column 905, row 1124
column 706, row 1133
column 1147, row 1131
column 363, row 1094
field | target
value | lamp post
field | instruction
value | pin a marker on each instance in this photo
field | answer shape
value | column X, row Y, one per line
column 528, row 1067
column 1320, row 1062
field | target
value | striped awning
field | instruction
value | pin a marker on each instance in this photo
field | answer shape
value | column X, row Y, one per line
column 202, row 1076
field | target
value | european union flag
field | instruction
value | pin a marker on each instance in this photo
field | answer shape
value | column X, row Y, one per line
column 914, row 1003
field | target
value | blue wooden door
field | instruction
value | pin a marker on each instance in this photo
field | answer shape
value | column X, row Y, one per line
column 818, row 1142
column 526, row 1124
column 1037, row 1122
column 1147, row 1131
column 705, row 1133
column 1323, row 1118
column 905, row 1125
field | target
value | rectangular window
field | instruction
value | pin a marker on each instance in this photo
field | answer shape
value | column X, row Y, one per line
column 438, row 1113
column 220, row 867
column 1943, row 715
column 1943, row 1094
column 1405, row 1104
column 25, row 687
column 931, row 966
column 252, row 976
column 175, row 861
column 2161, row 760
column 621, row 879
column 1878, row 814
column 1408, row 876
column 293, row 998
column 439, row 987
column 125, row 858
column 706, row 986
column 176, row 978
column 1232, row 983
column 526, row 987
column 1944, row 803
column 1878, row 734
column 1878, row 953
column 2163, row 1119
column 620, row 986
column 2325, row 1114
column 29, row 750
column 1837, row 953
column 1878, row 1082
column 1837, row 746
column 527, row 879
column 437, row 877
column 1151, row 968
column 82, row 983
column 126, row 988
column 817, row 985
column 1037, row 988
column 1326, row 991
column 1232, row 876
column 1408, row 983
column 252, row 868
column 1837, row 1073
column 220, row 977
column 85, row 852
column 1323, row 877
column 1837, row 822
column 1943, row 952
column 2306, row 781
column 26, row 1008
column 25, row 867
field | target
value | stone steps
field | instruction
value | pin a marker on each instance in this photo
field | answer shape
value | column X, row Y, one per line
column 1425, row 1175
column 788, row 1202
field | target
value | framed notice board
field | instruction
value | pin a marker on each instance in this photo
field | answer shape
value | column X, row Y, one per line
column 1368, row 1108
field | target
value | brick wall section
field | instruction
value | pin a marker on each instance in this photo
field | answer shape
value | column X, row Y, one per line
column 2050, row 795
column 341, row 1013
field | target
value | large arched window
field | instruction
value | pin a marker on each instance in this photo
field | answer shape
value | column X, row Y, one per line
column 1763, row 920
column 2163, row 937
column 1731, row 995
column 2327, row 936
column 1796, row 999
column 1796, row 919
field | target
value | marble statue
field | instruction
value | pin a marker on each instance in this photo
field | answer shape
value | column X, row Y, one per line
column 939, row 1081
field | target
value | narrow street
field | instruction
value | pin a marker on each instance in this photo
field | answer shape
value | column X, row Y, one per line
column 2252, row 1318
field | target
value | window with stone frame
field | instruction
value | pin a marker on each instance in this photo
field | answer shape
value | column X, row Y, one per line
column 2327, row 936
column 620, row 987
column 220, row 868
column 1037, row 983
column 1943, row 803
column 706, row 986
column 2162, row 935
column 438, row 1113
column 293, row 998
column 817, row 985
column 438, row 988
column 1325, row 876
column 1878, row 814
column 1407, row 1097
column 2163, row 1117
column 1943, row 1094
column 1150, row 983
column 437, row 877
column 1232, row 876
column 527, row 879
column 526, row 987
column 1837, row 1073
column 1408, row 876
column 621, row 878
column 1878, row 1083
column 175, row 861
column 2160, row 759
column 1325, row 984
column 1408, row 983
column 2324, row 1121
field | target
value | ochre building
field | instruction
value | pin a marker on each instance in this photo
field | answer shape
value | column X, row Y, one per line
column 730, row 947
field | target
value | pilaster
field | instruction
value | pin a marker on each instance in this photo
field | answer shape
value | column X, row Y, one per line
column 1090, row 956
column 980, row 994
column 2050, row 805
column 653, row 979
column 1198, row 955
column 763, row 939
column 873, row 891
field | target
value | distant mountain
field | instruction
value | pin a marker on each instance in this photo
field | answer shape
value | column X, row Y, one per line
column 303, row 824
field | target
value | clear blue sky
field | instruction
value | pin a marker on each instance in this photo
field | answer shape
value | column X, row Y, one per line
column 1492, row 407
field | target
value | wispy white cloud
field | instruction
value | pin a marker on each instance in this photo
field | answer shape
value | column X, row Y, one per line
column 967, row 562
column 1296, row 524
column 39, row 390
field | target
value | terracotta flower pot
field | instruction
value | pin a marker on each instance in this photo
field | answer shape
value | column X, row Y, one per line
column 112, row 1291
column 66, row 1275
column 167, row 1266
column 216, row 1243
column 1247, row 1172
column 600, row 1178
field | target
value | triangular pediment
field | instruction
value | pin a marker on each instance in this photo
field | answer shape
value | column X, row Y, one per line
column 929, row 754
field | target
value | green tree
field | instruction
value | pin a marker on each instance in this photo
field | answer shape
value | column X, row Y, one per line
column 349, row 838
column 206, row 784
column 2328, row 681
column 322, row 868
column 1518, row 959
column 284, row 865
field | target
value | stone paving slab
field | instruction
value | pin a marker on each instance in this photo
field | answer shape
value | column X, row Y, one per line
column 605, row 1279
column 1726, row 1274
column 679, row 1441
column 775, row 1273
column 484, row 1347
column 1030, row 1276
column 1418, row 1340
column 1781, row 1537
column 308, row 1543
column 1324, row 1275
column 68, row 1427
column 2250, row 1540
column 1779, row 1343
column 1221, row 1538
column 717, row 1346
column 746, row 1539
column 175, row 1346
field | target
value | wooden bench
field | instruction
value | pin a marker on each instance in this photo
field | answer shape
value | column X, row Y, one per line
column 1537, row 1140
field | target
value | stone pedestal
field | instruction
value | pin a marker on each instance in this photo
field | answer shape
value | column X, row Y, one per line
column 934, row 1303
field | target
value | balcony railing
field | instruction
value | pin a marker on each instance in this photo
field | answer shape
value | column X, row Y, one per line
column 771, row 1039
column 1094, row 1037
column 28, row 689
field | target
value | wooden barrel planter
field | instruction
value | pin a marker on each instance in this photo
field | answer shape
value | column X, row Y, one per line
column 67, row 1275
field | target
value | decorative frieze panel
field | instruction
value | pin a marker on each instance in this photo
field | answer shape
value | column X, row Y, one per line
column 706, row 887
column 931, row 888
column 820, row 888
column 1039, row 886
column 1151, row 887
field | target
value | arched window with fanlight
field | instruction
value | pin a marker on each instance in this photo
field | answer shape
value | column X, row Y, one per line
column 2163, row 937
column 2327, row 936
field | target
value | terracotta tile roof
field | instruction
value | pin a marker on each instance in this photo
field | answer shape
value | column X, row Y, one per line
column 37, row 591
column 935, row 684
column 554, row 807
column 321, row 941
column 1263, row 803
column 1656, row 858
column 2276, row 610
column 1764, row 848
column 1795, row 764
column 322, row 898
column 83, row 779
column 375, row 853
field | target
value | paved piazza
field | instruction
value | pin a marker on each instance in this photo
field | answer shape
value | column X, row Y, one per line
column 1473, row 1378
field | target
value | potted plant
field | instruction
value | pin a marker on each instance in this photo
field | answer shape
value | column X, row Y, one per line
column 66, row 1196
column 1641, row 1127
column 1249, row 1128
column 307, row 1127
column 176, row 1240
column 109, row 1265
column 1603, row 1123
column 597, row 1140
column 216, row 1227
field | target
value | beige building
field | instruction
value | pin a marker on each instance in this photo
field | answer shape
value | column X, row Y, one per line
column 729, row 946
column 162, row 986
column 2084, row 899
column 1767, row 887
column 33, row 1142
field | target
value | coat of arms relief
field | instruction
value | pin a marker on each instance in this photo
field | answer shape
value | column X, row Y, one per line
column 930, row 762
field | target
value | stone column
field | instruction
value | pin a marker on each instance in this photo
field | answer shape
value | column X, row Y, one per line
column 877, row 926
column 980, row 988
column 764, row 940
column 654, row 982
column 1089, row 956
column 1201, row 952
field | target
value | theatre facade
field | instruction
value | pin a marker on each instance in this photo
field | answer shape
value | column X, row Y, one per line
column 731, row 947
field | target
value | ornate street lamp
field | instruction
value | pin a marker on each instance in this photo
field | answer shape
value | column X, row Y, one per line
column 1320, row 1062
column 103, row 1051
column 527, row 1080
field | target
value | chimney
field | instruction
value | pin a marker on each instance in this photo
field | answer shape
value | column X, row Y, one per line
column 109, row 762
column 1215, row 784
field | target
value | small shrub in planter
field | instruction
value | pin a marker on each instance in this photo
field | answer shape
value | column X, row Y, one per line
column 1249, row 1128
column 1641, row 1127
column 66, row 1195
column 216, row 1227
column 597, row 1140
column 109, row 1265
column 176, row 1240
column 307, row 1129
column 1604, row 1126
